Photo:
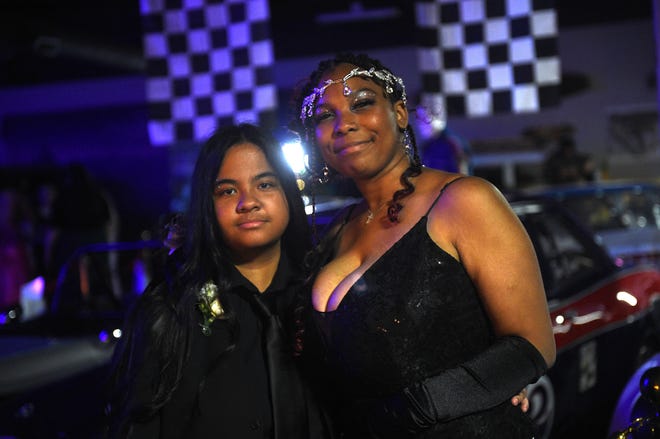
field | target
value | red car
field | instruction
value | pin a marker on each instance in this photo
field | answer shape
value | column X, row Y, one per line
column 606, row 322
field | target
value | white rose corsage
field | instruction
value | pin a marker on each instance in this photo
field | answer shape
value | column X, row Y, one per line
column 210, row 306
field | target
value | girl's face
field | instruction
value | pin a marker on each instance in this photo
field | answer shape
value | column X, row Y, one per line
column 250, row 204
column 358, row 134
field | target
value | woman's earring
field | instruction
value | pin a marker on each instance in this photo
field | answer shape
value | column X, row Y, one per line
column 324, row 177
column 407, row 144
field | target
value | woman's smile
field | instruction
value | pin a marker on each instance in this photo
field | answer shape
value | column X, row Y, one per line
column 345, row 148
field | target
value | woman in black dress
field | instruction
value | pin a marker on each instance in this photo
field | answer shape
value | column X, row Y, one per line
column 428, row 312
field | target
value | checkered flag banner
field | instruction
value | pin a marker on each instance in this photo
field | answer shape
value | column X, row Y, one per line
column 209, row 62
column 484, row 57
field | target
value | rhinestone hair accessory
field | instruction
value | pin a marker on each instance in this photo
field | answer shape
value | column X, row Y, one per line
column 388, row 78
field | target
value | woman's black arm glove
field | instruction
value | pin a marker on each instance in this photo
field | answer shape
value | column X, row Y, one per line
column 483, row 382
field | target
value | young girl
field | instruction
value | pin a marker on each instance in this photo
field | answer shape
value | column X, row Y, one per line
column 203, row 353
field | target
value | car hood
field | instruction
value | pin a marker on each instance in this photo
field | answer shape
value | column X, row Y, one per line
column 28, row 362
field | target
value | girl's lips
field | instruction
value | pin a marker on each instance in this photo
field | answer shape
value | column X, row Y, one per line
column 251, row 223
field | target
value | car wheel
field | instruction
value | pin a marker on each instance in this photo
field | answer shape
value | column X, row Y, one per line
column 541, row 397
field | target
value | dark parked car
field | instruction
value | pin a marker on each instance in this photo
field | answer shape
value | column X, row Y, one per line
column 605, row 320
column 624, row 216
column 55, row 352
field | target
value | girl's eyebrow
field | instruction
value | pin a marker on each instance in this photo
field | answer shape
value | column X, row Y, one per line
column 220, row 181
column 267, row 174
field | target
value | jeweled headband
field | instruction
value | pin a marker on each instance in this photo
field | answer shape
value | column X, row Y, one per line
column 388, row 78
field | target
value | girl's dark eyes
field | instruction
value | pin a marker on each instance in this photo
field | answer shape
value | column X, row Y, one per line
column 220, row 191
column 267, row 185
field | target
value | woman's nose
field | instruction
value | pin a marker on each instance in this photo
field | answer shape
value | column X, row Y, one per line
column 345, row 122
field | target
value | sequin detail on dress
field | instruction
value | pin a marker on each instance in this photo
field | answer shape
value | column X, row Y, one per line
column 412, row 318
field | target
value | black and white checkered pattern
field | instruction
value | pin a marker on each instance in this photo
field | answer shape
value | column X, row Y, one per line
column 484, row 57
column 209, row 62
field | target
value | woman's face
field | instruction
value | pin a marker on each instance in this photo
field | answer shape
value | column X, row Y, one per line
column 359, row 134
column 250, row 204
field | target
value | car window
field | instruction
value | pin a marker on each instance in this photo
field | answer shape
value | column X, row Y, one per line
column 569, row 260
column 640, row 207
column 623, row 208
column 599, row 213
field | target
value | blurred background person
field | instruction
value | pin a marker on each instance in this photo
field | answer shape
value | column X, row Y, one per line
column 566, row 165
column 82, row 214
column 15, row 266
column 442, row 148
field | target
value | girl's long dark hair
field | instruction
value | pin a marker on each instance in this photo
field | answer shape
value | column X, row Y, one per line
column 164, row 316
column 306, row 130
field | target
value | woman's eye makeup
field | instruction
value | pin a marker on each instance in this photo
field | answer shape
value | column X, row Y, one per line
column 363, row 102
column 358, row 100
column 363, row 96
column 322, row 115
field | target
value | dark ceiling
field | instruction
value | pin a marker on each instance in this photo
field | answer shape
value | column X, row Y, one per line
column 44, row 41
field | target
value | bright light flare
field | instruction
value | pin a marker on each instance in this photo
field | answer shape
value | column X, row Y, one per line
column 624, row 296
column 295, row 156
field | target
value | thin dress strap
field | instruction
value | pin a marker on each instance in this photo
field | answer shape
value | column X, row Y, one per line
column 440, row 194
column 345, row 215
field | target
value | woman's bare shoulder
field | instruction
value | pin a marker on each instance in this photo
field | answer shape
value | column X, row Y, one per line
column 467, row 192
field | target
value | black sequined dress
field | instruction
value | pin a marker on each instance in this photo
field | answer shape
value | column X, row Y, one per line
column 413, row 314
